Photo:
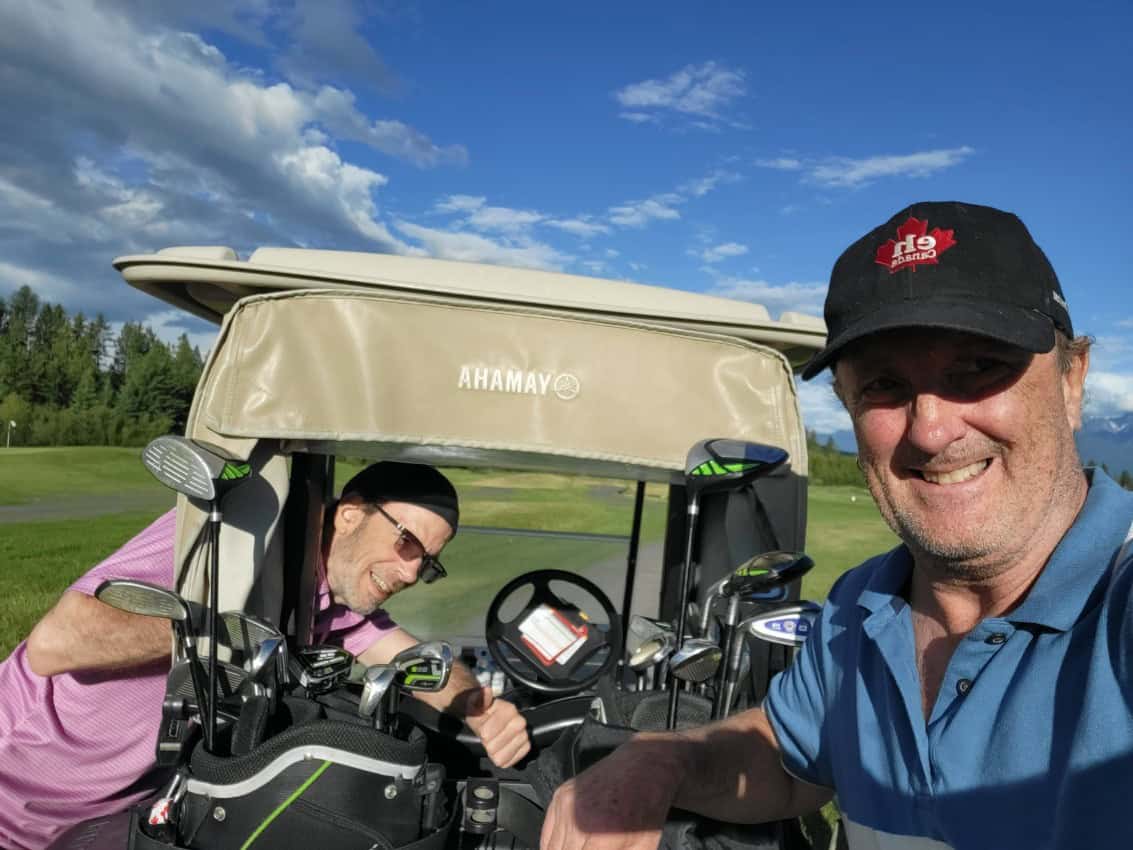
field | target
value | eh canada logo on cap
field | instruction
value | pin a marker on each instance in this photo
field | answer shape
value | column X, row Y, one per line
column 914, row 246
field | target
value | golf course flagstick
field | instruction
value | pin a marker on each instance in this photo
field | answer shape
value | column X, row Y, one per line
column 716, row 464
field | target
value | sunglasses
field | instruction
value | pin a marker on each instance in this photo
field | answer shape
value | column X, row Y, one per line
column 410, row 548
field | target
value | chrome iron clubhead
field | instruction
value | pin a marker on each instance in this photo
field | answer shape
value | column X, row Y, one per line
column 425, row 667
column 653, row 651
column 377, row 682
column 696, row 661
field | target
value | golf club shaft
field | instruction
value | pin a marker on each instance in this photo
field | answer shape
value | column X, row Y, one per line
column 682, row 605
column 214, row 595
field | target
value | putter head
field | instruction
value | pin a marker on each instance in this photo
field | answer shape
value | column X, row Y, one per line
column 652, row 651
column 376, row 682
column 787, row 625
column 193, row 468
column 721, row 463
column 767, row 571
column 141, row 597
column 696, row 661
column 425, row 667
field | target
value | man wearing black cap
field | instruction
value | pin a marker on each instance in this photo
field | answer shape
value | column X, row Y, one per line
column 973, row 687
column 383, row 535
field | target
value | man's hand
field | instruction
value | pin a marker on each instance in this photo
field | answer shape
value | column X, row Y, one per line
column 621, row 803
column 501, row 728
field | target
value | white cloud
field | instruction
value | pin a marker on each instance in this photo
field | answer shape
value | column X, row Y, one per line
column 582, row 226
column 470, row 247
column 640, row 213
column 777, row 298
column 1108, row 394
column 718, row 253
column 698, row 91
column 1125, row 323
column 148, row 136
column 47, row 287
column 843, row 172
column 822, row 412
column 460, row 203
column 700, row 188
column 783, row 163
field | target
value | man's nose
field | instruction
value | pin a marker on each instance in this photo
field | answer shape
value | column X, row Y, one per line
column 935, row 422
column 408, row 570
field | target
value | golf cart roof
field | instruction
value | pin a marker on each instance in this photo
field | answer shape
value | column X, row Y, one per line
column 207, row 281
column 452, row 382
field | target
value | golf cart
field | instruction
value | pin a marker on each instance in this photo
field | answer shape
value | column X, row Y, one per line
column 328, row 355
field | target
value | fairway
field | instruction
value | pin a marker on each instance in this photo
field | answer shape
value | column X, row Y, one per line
column 111, row 497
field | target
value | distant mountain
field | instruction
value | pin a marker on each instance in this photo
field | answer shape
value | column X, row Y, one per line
column 1108, row 440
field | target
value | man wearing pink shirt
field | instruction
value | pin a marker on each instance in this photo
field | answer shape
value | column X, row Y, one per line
column 82, row 695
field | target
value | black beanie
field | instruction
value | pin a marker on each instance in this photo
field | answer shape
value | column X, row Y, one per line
column 415, row 483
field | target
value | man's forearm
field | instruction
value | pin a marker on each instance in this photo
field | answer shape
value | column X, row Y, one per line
column 81, row 633
column 461, row 687
column 730, row 770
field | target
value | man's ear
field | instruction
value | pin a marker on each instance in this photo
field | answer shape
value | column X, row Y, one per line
column 1074, row 386
column 348, row 516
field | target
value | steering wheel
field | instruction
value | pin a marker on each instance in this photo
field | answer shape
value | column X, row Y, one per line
column 552, row 638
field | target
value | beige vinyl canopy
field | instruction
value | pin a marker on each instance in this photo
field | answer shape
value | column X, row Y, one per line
column 461, row 384
column 207, row 281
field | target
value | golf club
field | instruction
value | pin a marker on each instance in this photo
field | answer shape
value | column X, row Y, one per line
column 768, row 571
column 787, row 625
column 139, row 597
column 201, row 472
column 643, row 630
column 696, row 661
column 650, row 653
column 711, row 465
column 320, row 668
column 425, row 667
column 376, row 683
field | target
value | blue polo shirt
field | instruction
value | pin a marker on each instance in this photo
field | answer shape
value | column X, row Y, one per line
column 1030, row 742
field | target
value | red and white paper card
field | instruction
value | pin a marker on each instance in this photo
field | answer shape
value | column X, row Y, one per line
column 551, row 636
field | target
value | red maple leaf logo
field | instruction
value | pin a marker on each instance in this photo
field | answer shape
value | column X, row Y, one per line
column 914, row 246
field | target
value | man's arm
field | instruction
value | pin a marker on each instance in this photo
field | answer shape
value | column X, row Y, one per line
column 499, row 725
column 81, row 633
column 729, row 770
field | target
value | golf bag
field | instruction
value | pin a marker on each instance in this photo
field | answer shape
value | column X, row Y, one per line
column 320, row 781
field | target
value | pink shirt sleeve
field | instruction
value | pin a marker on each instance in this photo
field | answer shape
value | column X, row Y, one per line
column 146, row 557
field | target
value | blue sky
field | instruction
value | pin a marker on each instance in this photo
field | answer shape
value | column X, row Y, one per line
column 733, row 149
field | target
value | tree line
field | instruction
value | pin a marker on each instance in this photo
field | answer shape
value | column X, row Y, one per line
column 70, row 380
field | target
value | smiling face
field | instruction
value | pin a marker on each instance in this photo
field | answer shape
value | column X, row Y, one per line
column 967, row 444
column 363, row 564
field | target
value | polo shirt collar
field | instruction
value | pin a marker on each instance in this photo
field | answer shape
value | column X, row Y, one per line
column 1082, row 557
column 1066, row 583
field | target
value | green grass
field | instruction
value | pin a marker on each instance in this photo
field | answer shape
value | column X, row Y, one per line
column 41, row 558
column 32, row 474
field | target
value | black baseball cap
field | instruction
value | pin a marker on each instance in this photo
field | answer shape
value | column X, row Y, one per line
column 948, row 265
column 415, row 483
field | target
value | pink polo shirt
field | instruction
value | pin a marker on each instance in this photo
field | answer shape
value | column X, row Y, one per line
column 79, row 746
